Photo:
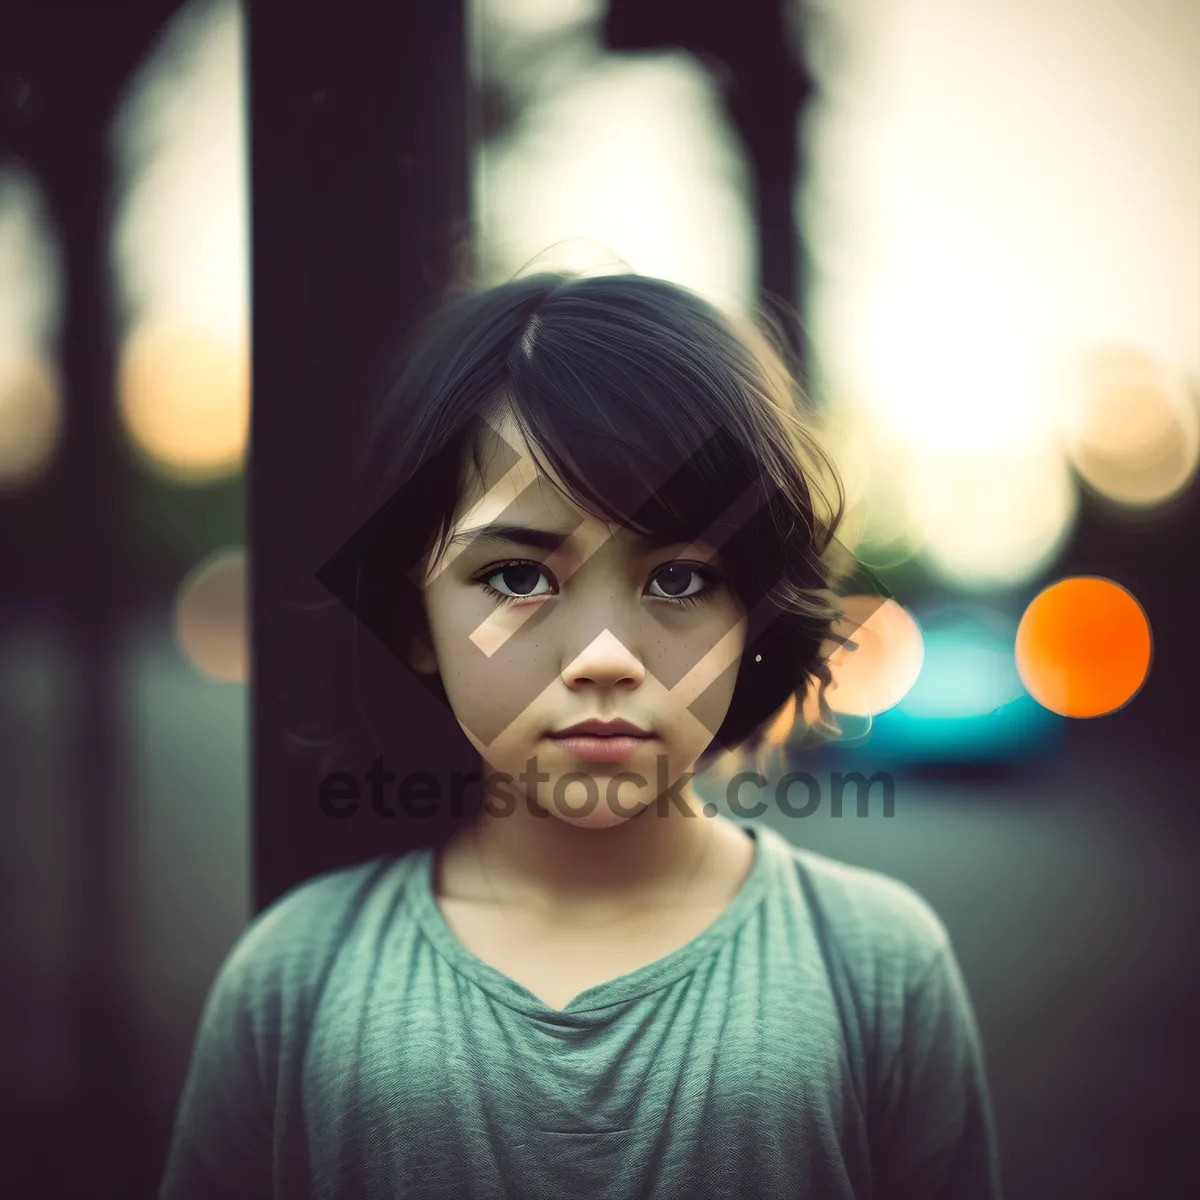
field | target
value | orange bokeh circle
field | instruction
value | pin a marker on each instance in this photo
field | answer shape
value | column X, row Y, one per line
column 1083, row 647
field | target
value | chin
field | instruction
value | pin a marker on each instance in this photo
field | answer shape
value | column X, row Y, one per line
column 600, row 817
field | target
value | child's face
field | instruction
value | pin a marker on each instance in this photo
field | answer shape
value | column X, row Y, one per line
column 593, row 634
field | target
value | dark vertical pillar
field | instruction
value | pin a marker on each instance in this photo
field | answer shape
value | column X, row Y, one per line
column 359, row 181
column 89, row 587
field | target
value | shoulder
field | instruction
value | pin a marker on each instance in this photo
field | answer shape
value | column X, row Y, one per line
column 284, row 949
column 872, row 917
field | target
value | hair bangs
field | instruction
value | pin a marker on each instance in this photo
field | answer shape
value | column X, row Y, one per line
column 637, row 480
column 641, row 422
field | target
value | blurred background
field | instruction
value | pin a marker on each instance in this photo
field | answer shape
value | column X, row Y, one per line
column 986, row 217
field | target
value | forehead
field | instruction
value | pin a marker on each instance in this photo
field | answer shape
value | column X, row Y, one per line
column 515, row 490
column 523, row 491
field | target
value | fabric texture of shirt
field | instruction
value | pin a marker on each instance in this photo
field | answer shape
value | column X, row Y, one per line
column 817, row 1040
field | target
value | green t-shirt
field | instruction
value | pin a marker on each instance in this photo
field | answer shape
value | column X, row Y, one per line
column 816, row 1040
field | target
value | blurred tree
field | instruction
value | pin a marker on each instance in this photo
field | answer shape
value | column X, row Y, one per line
column 754, row 50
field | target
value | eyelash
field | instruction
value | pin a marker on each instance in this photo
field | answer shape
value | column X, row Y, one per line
column 713, row 577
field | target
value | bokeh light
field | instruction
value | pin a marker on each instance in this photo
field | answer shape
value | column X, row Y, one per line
column 969, row 669
column 884, row 661
column 944, row 296
column 185, row 399
column 1019, row 730
column 1130, row 427
column 31, row 415
column 632, row 154
column 877, row 525
column 1083, row 647
column 969, row 704
column 532, row 17
column 31, row 402
column 180, row 247
column 992, row 518
column 210, row 619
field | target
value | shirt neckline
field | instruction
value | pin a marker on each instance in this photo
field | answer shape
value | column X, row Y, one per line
column 590, row 1005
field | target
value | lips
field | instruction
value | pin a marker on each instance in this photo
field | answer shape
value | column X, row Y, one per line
column 593, row 728
column 590, row 748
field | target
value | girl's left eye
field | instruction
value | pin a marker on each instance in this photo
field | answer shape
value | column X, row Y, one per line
column 675, row 582
column 680, row 576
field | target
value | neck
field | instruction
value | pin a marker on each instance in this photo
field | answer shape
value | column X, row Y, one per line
column 537, row 861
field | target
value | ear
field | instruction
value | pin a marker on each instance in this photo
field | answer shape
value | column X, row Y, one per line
column 421, row 658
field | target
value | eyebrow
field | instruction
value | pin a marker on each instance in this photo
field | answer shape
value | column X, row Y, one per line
column 543, row 539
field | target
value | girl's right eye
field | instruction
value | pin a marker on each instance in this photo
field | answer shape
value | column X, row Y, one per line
column 521, row 580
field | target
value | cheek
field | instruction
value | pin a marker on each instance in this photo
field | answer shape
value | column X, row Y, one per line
column 700, row 668
column 486, row 698
column 493, row 695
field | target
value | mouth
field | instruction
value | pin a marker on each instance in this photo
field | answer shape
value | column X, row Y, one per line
column 596, row 728
column 602, row 741
column 601, row 748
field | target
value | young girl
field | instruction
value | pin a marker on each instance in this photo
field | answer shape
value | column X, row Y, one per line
column 601, row 537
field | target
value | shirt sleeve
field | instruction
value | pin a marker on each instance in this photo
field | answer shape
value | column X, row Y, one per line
column 936, row 1127
column 221, row 1141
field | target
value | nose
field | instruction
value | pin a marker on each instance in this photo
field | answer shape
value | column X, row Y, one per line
column 603, row 614
column 605, row 662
